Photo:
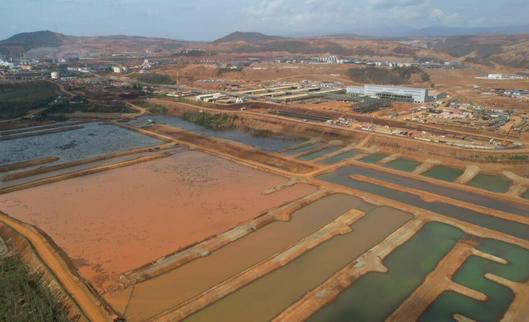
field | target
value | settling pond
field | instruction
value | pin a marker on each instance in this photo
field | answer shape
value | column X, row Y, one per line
column 268, row 296
column 376, row 295
column 90, row 140
column 470, row 197
column 174, row 287
column 472, row 275
column 341, row 177
column 267, row 143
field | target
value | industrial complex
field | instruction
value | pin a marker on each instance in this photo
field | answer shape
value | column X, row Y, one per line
column 262, row 178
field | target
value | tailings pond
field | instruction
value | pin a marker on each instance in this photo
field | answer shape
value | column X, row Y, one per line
column 374, row 158
column 442, row 172
column 479, row 200
column 267, row 143
column 341, row 157
column 494, row 183
column 403, row 164
column 376, row 295
column 472, row 275
column 341, row 177
column 321, row 153
column 112, row 222
column 268, row 296
column 90, row 140
column 165, row 291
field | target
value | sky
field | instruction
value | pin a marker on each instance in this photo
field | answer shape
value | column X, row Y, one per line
column 211, row 19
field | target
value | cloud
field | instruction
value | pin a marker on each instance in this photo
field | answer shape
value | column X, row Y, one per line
column 206, row 19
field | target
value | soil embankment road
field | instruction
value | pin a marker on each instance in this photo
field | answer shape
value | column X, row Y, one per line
column 86, row 300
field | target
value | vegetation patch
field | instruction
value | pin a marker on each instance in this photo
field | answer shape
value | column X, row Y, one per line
column 16, row 99
column 155, row 109
column 221, row 121
column 153, row 78
column 82, row 105
column 395, row 76
column 23, row 298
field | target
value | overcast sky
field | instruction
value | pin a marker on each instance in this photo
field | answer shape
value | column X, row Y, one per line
column 211, row 19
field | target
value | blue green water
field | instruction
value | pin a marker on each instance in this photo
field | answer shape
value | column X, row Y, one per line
column 470, row 197
column 315, row 155
column 265, row 298
column 472, row 275
column 341, row 177
column 445, row 173
column 494, row 183
column 403, row 164
column 341, row 157
column 374, row 158
column 376, row 295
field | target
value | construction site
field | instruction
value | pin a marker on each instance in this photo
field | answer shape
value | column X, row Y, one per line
column 267, row 216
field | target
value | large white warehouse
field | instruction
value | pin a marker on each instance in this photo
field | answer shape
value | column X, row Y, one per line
column 395, row 93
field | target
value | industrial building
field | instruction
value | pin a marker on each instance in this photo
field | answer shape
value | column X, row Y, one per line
column 394, row 93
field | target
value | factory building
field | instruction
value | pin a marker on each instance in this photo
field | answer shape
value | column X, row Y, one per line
column 394, row 93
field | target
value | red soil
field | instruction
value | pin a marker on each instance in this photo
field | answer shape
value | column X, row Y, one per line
column 115, row 221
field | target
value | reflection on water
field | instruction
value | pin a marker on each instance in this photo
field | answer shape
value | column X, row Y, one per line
column 267, row 143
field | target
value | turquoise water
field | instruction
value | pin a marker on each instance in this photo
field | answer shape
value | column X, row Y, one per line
column 374, row 158
column 445, row 173
column 321, row 153
column 376, row 295
column 472, row 275
column 268, row 143
column 403, row 164
column 268, row 296
column 494, row 183
column 91, row 140
column 341, row 157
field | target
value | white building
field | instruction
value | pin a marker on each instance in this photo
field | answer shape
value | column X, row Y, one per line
column 55, row 75
column 394, row 93
column 118, row 69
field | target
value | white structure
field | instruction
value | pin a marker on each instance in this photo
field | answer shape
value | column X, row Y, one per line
column 206, row 98
column 395, row 93
column 118, row 69
column 504, row 76
column 55, row 75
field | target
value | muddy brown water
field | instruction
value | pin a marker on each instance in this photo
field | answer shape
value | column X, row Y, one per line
column 111, row 222
column 164, row 292
column 268, row 296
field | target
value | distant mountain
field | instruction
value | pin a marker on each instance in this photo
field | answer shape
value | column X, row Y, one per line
column 250, row 37
column 507, row 50
column 461, row 31
column 26, row 41
column 52, row 44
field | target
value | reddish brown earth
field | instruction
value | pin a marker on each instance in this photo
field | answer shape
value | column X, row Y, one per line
column 112, row 222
